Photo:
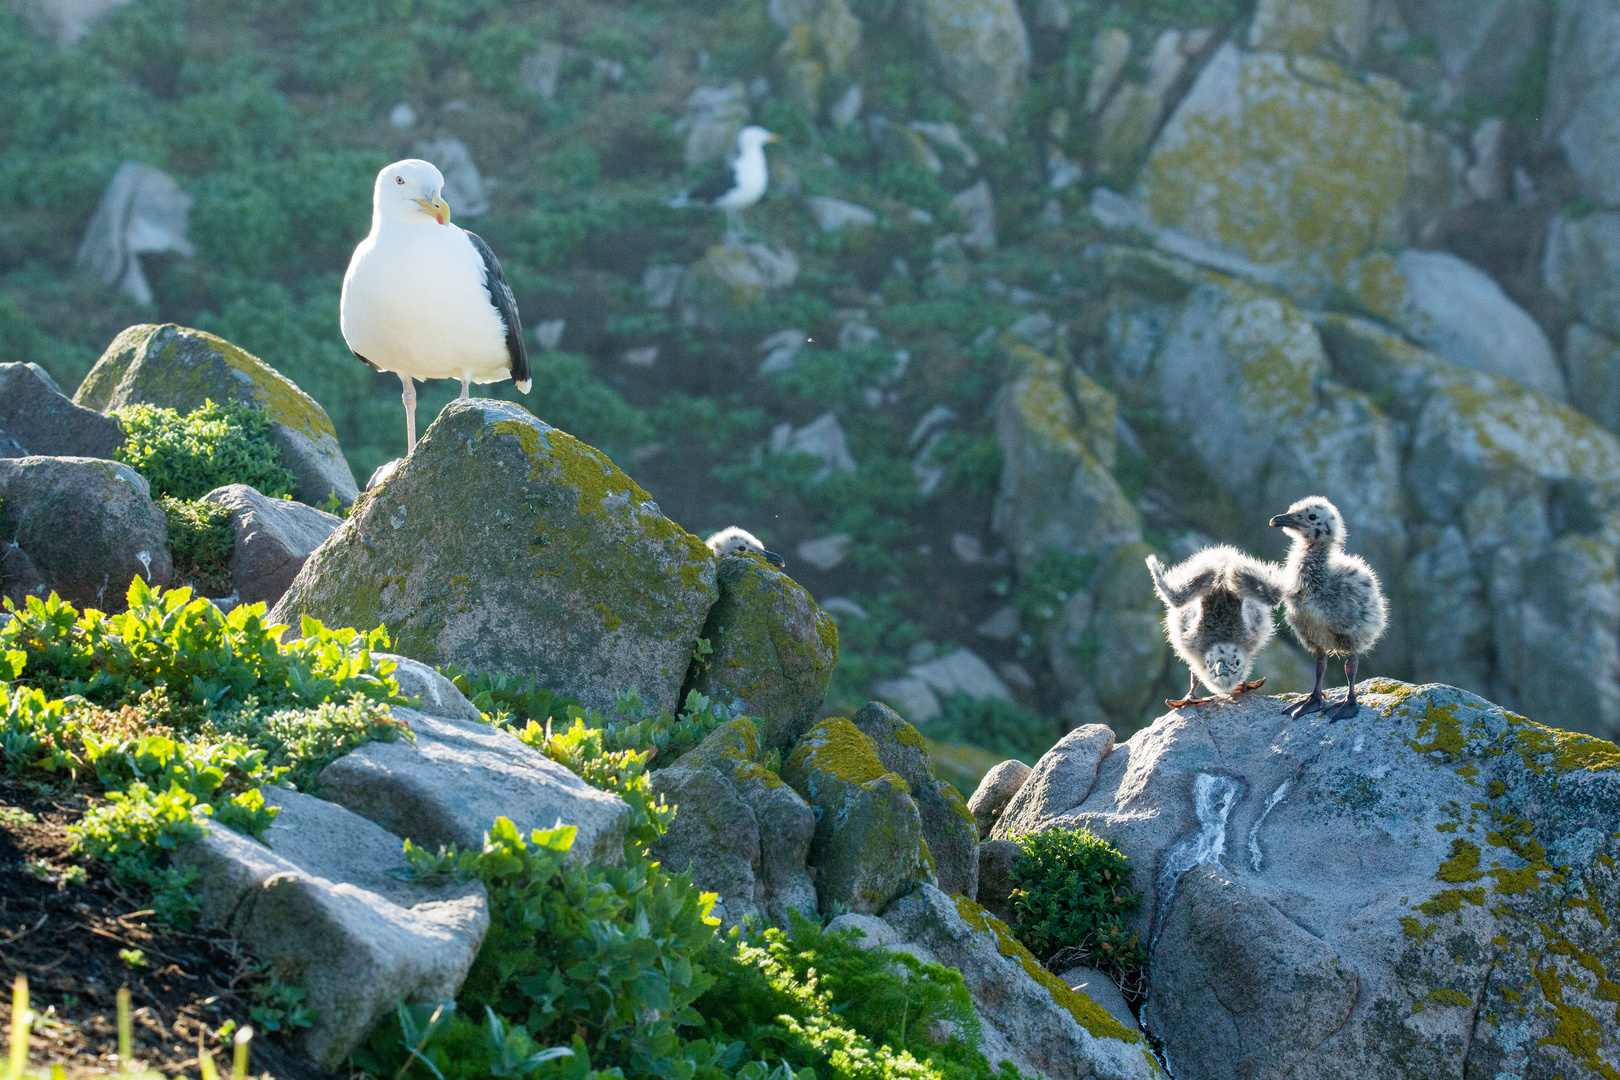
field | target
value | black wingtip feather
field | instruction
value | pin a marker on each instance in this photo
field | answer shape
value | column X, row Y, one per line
column 500, row 293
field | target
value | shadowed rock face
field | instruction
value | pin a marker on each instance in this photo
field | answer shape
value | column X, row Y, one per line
column 505, row 545
column 34, row 412
column 1395, row 894
column 80, row 527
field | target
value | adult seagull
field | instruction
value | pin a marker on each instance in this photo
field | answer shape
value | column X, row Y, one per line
column 740, row 185
column 426, row 299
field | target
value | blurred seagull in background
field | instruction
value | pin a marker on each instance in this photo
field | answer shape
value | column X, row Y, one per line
column 426, row 299
column 740, row 185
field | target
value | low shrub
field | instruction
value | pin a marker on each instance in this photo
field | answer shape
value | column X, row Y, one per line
column 185, row 457
column 200, row 542
column 1071, row 892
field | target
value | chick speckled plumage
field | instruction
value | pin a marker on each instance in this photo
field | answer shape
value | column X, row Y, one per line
column 1332, row 599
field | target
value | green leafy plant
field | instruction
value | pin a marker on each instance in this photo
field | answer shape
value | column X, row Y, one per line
column 185, row 457
column 200, row 542
column 1072, row 891
column 279, row 1006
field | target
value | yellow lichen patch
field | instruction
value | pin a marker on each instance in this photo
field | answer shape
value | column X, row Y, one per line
column 1448, row 998
column 1450, row 901
column 1416, row 930
column 1463, row 864
column 1086, row 1012
column 1443, row 729
column 1574, row 1029
column 1570, row 750
column 839, row 748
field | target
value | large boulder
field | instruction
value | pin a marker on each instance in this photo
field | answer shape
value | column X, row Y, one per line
column 318, row 901
column 80, row 527
column 179, row 368
column 1291, row 164
column 446, row 786
column 996, row 789
column 1582, row 109
column 1592, row 363
column 1057, row 490
column 1483, row 47
column 1060, row 781
column 773, row 650
column 1581, row 266
column 272, row 538
column 506, row 545
column 978, row 51
column 1456, row 311
column 948, row 825
column 1030, row 1017
column 35, row 413
column 743, row 833
column 142, row 211
column 868, row 847
column 1416, row 888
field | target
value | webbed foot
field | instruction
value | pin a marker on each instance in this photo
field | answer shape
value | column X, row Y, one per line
column 1313, row 704
column 1244, row 688
column 1344, row 710
column 1184, row 702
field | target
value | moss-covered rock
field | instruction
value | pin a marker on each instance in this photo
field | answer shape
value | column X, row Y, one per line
column 1429, row 883
column 1295, row 165
column 1057, row 489
column 948, row 825
column 979, row 53
column 505, row 545
column 179, row 368
column 743, row 833
column 773, row 649
column 868, row 846
column 80, row 527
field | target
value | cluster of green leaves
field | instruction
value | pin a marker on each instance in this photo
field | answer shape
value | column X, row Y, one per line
column 1003, row 727
column 619, row 972
column 1072, row 891
column 179, row 713
column 200, row 542
column 196, row 654
column 186, row 457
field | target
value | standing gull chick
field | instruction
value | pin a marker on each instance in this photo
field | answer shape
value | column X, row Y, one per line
column 735, row 541
column 740, row 184
column 1332, row 600
column 1215, row 621
column 426, row 299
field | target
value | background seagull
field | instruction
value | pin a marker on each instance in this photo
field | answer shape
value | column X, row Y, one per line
column 426, row 299
column 740, row 185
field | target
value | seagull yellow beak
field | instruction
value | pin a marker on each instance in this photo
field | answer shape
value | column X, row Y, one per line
column 437, row 207
column 773, row 137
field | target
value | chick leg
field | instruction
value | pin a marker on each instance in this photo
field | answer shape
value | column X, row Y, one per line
column 1314, row 703
column 409, row 398
column 1191, row 698
column 1349, row 707
column 466, row 381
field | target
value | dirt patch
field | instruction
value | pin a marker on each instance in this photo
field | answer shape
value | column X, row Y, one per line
column 79, row 937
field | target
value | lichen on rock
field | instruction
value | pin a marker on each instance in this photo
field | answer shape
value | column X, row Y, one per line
column 180, row 368
column 505, row 545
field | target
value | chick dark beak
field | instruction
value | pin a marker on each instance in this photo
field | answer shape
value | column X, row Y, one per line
column 774, row 559
column 1282, row 521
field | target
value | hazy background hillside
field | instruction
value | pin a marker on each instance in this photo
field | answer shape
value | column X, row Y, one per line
column 1168, row 268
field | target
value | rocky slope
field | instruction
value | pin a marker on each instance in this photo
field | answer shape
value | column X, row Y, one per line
column 1037, row 288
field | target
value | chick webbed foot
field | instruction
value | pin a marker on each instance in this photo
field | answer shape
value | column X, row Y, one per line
column 1244, row 688
column 1344, row 710
column 1313, row 704
column 1184, row 702
column 1348, row 707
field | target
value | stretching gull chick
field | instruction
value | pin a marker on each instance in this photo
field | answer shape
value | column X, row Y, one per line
column 1214, row 618
column 426, row 299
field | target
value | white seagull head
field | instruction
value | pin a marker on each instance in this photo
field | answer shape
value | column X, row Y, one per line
column 753, row 137
column 409, row 191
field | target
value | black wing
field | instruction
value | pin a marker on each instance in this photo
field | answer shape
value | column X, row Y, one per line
column 501, row 293
column 715, row 186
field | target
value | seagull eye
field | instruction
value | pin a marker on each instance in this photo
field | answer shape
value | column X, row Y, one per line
column 399, row 179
